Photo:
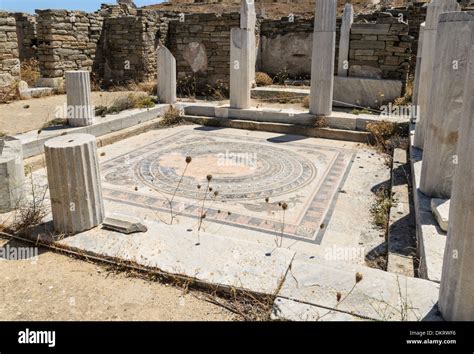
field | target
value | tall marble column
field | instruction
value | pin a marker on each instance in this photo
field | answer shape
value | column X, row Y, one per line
column 416, row 83
column 166, row 76
column 74, row 182
column 442, row 123
column 80, row 111
column 435, row 8
column 322, row 59
column 240, row 72
column 343, row 58
column 248, row 19
column 456, row 299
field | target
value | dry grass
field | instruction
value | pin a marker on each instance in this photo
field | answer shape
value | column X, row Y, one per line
column 321, row 122
column 9, row 93
column 131, row 101
column 263, row 79
column 30, row 71
column 55, row 122
column 381, row 208
column 306, row 102
column 388, row 136
column 172, row 117
column 406, row 99
column 187, row 87
column 218, row 92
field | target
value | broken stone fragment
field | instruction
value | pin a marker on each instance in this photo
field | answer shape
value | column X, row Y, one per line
column 124, row 224
column 440, row 210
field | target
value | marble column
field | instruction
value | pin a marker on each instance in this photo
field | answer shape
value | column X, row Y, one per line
column 343, row 58
column 248, row 19
column 456, row 300
column 80, row 111
column 416, row 82
column 74, row 182
column 240, row 73
column 166, row 76
column 322, row 59
column 442, row 123
column 435, row 8
column 12, row 174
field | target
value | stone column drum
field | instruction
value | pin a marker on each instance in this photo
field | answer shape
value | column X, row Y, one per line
column 166, row 76
column 435, row 8
column 456, row 300
column 12, row 174
column 74, row 183
column 322, row 59
column 80, row 111
column 343, row 58
column 442, row 122
column 240, row 72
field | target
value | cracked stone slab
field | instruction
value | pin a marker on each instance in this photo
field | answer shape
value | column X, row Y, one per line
column 378, row 296
column 124, row 224
column 296, row 311
column 208, row 258
column 440, row 210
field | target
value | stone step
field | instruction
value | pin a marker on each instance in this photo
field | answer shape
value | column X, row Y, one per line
column 283, row 128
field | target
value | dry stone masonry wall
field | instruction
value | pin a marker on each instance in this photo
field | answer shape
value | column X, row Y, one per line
column 27, row 36
column 9, row 53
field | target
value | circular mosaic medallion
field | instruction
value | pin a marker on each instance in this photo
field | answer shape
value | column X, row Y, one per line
column 239, row 170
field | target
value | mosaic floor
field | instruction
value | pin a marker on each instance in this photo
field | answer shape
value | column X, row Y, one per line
column 253, row 176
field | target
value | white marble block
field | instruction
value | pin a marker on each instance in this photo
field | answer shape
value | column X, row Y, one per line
column 440, row 211
column 435, row 8
column 166, row 76
column 240, row 72
column 322, row 59
column 80, row 111
column 74, row 182
column 12, row 174
column 248, row 19
column 343, row 58
column 442, row 123
column 456, row 300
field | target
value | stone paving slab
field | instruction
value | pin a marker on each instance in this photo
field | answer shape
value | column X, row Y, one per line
column 216, row 260
column 378, row 296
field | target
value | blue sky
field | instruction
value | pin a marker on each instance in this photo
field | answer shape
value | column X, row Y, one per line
column 84, row 5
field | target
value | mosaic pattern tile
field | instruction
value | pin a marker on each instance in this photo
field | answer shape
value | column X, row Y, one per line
column 252, row 176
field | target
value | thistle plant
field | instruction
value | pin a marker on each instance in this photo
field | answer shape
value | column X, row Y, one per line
column 188, row 161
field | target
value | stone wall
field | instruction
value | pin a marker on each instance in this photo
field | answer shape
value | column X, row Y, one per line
column 286, row 46
column 67, row 40
column 27, row 37
column 381, row 49
column 9, row 54
column 201, row 46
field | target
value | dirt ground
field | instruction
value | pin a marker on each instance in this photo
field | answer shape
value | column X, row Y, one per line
column 57, row 287
column 25, row 115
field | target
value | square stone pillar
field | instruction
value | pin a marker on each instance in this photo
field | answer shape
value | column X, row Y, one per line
column 435, row 8
column 322, row 59
column 12, row 174
column 343, row 58
column 166, row 76
column 240, row 72
column 456, row 299
column 453, row 42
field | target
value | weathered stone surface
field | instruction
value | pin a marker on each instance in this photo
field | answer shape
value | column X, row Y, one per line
column 166, row 76
column 416, row 83
column 240, row 72
column 453, row 41
column 74, row 183
column 364, row 71
column 440, row 210
column 195, row 55
column 248, row 19
column 343, row 59
column 12, row 174
column 428, row 55
column 322, row 59
column 124, row 224
column 80, row 111
column 457, row 282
